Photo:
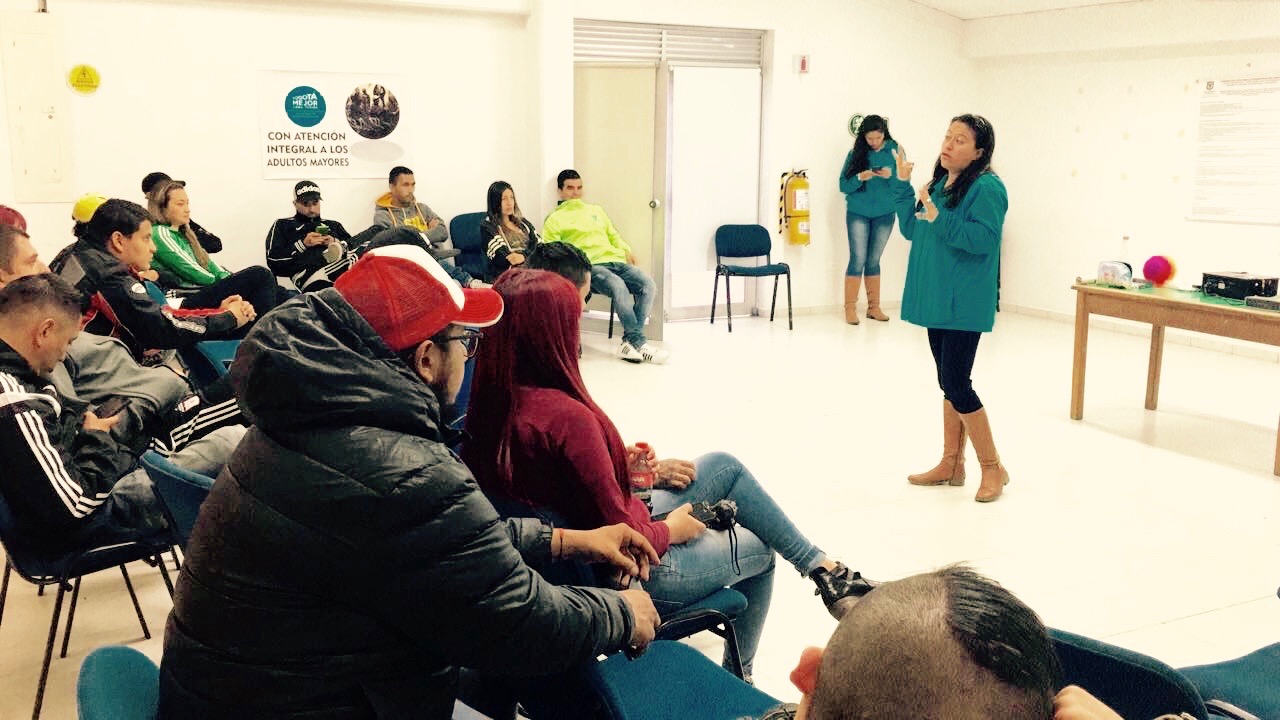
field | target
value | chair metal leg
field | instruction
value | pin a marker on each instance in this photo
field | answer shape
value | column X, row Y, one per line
column 40, row 591
column 146, row 633
column 727, row 632
column 773, row 305
column 4, row 586
column 790, row 325
column 611, row 306
column 164, row 573
column 48, row 651
column 71, row 618
column 728, row 303
column 715, row 290
column 173, row 551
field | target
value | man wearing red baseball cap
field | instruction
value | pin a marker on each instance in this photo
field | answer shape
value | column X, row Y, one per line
column 9, row 216
column 345, row 562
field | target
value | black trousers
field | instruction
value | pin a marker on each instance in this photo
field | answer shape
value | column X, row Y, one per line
column 953, row 354
column 255, row 284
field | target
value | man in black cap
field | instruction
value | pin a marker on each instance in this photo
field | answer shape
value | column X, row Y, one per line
column 310, row 251
column 210, row 242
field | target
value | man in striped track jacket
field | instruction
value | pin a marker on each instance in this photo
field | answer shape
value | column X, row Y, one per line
column 66, row 478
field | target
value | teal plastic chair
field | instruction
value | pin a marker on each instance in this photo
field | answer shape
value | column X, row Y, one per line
column 1136, row 685
column 205, row 361
column 117, row 683
column 181, row 493
column 673, row 680
column 747, row 241
column 1250, row 684
column 64, row 571
column 464, row 231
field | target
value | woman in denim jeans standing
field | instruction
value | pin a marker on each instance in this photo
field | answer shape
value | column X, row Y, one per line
column 537, row 437
column 866, row 182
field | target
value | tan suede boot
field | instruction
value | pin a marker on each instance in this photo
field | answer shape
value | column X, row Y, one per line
column 994, row 476
column 873, row 299
column 851, row 287
column 950, row 470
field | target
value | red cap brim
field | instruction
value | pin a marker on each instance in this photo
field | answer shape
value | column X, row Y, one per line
column 482, row 308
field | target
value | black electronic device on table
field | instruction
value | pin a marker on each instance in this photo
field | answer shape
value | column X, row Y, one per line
column 1238, row 285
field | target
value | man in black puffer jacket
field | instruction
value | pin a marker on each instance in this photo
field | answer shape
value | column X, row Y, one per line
column 345, row 561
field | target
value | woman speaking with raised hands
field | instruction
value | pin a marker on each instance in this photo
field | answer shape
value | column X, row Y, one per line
column 954, row 223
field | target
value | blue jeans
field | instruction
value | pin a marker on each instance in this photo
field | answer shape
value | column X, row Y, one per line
column 616, row 280
column 694, row 570
column 867, row 238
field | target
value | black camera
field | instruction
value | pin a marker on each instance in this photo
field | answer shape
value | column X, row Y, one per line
column 720, row 515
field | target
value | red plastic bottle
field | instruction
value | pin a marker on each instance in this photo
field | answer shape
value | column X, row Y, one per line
column 642, row 475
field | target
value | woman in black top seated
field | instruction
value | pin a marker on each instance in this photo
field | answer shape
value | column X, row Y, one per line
column 509, row 237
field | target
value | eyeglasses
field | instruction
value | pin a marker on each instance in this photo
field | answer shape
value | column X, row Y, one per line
column 470, row 340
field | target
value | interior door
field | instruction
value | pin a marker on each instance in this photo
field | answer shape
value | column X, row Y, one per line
column 614, row 137
column 714, row 181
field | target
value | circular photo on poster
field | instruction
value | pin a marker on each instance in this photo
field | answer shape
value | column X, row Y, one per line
column 373, row 111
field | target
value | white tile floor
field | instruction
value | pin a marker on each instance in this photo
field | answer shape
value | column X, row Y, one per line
column 1158, row 531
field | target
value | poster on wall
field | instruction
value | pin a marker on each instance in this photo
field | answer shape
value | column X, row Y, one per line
column 331, row 125
column 1237, row 166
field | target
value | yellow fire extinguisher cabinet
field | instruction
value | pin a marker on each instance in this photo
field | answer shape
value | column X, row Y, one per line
column 793, row 207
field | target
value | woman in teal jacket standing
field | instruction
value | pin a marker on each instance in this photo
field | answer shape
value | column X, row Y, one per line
column 867, row 184
column 954, row 224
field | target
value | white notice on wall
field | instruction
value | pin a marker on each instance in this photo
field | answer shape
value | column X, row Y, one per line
column 331, row 125
column 1237, row 176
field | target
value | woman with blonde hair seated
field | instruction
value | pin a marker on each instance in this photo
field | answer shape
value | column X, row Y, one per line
column 184, row 265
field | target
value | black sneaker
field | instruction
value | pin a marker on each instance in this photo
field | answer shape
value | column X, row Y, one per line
column 840, row 588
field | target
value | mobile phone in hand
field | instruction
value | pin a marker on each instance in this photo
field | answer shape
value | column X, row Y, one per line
column 111, row 407
column 322, row 229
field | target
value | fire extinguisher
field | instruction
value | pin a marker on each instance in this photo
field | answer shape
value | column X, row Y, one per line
column 793, row 207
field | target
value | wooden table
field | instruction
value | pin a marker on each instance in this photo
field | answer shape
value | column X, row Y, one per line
column 1165, row 307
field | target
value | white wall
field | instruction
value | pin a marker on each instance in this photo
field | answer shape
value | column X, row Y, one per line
column 1098, row 143
column 179, row 95
column 886, row 56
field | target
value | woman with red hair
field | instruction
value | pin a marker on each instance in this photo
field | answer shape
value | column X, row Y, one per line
column 537, row 437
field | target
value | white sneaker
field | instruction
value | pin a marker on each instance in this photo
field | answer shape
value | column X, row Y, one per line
column 654, row 354
column 629, row 353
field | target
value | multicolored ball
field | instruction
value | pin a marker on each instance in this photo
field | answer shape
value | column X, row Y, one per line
column 1159, row 269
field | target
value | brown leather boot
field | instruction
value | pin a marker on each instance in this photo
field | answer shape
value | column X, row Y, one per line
column 873, row 299
column 994, row 476
column 851, row 287
column 950, row 470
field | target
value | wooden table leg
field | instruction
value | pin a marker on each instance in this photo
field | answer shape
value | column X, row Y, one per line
column 1153, row 366
column 1078, row 361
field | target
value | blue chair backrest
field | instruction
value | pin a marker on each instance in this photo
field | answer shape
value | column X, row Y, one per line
column 464, row 230
column 209, row 360
column 156, row 293
column 674, row 680
column 180, row 490
column 1132, row 684
column 117, row 683
column 1249, row 682
column 742, row 241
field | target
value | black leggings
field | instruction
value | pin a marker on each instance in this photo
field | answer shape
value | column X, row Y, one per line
column 953, row 353
column 255, row 284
